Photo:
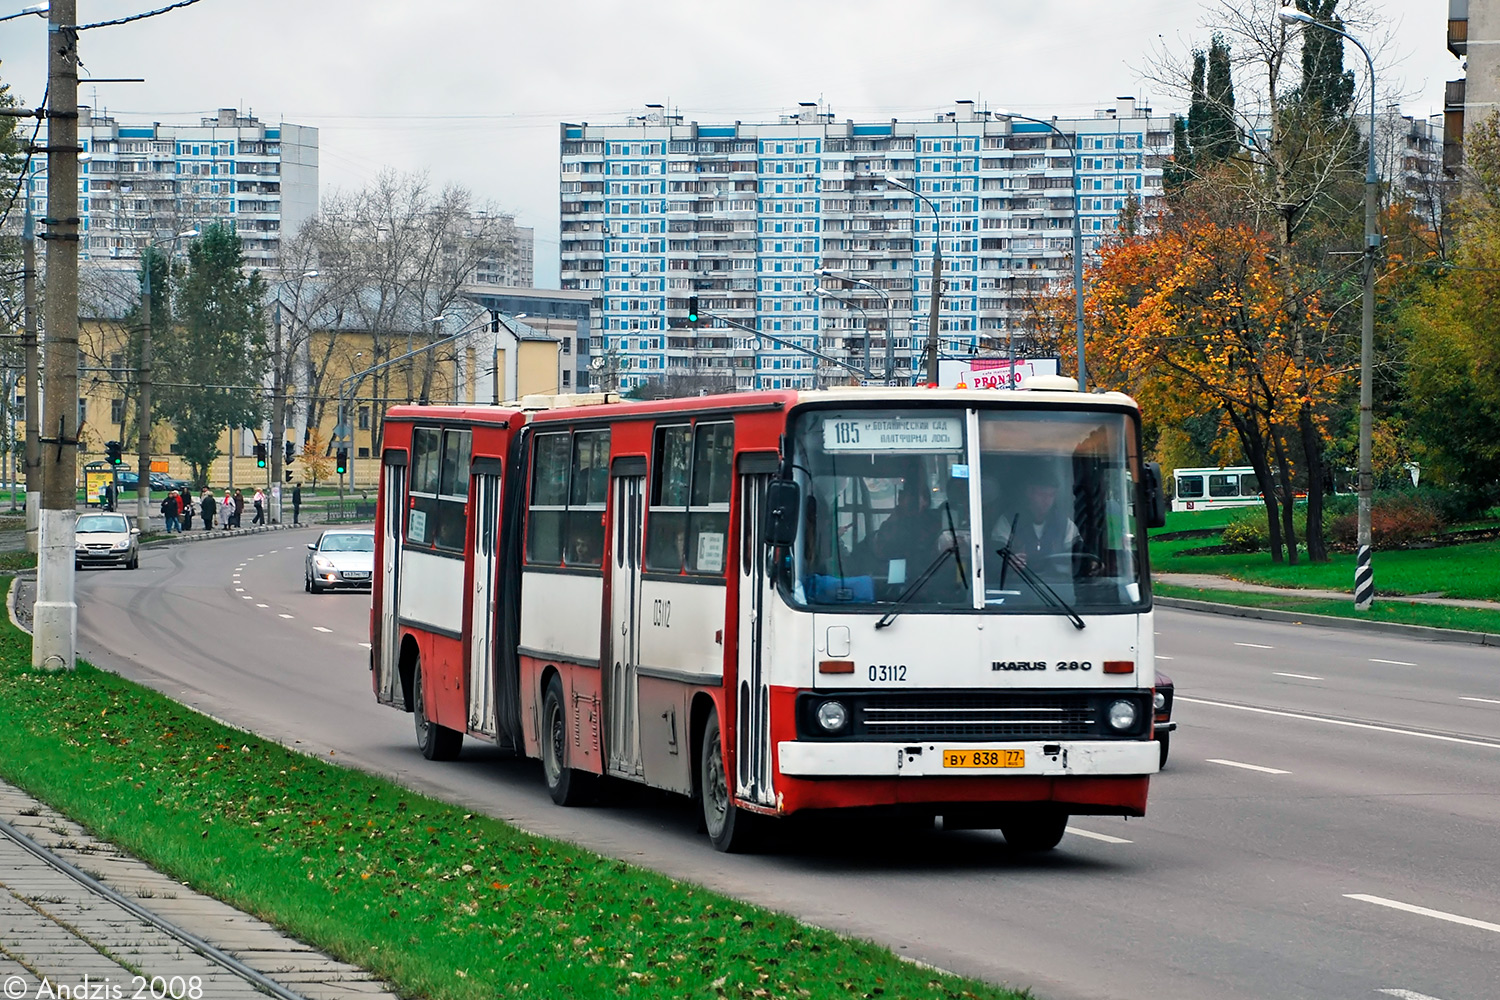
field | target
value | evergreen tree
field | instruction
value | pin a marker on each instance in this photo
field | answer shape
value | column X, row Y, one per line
column 1210, row 134
column 1326, row 86
column 210, row 362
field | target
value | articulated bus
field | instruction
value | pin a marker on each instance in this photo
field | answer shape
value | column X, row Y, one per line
column 907, row 602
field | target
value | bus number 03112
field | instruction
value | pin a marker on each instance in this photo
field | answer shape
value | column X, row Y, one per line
column 661, row 613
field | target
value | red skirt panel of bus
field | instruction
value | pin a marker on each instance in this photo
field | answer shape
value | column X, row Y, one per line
column 582, row 705
column 442, row 679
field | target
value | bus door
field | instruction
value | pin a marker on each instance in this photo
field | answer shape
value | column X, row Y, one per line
column 621, row 686
column 392, row 531
column 484, row 501
column 752, row 764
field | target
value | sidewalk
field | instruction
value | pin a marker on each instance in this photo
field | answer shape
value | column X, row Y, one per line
column 1206, row 581
column 135, row 925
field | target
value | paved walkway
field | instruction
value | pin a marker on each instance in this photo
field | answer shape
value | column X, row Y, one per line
column 1206, row 581
column 57, row 928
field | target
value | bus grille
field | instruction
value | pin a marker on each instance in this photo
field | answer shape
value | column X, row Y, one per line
column 976, row 716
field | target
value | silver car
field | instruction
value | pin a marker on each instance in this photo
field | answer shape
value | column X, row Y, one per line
column 106, row 540
column 340, row 558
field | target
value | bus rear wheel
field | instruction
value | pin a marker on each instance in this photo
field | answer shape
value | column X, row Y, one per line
column 567, row 786
column 730, row 828
column 436, row 742
column 1034, row 830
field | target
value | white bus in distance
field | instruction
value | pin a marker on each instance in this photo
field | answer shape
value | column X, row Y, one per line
column 1211, row 489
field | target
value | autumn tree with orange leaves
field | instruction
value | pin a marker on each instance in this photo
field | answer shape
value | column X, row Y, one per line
column 1194, row 320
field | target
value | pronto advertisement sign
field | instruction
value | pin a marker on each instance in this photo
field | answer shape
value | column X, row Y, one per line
column 992, row 373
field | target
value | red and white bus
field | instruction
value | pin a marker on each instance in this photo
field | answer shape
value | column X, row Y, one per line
column 903, row 600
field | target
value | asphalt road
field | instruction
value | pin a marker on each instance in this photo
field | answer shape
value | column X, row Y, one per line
column 1326, row 827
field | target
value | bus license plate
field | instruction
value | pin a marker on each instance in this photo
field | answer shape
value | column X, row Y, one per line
column 984, row 758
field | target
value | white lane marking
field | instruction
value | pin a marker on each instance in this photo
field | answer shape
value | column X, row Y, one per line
column 1487, row 701
column 1343, row 722
column 1248, row 767
column 365, row 644
column 1394, row 663
column 1406, row 995
column 286, row 616
column 262, row 605
column 319, row 628
column 1091, row 835
column 1254, row 645
column 1300, row 677
column 246, row 597
column 1396, row 904
column 239, row 589
column 1160, row 657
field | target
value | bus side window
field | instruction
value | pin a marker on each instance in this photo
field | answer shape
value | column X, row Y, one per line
column 587, row 491
column 708, row 511
column 1221, row 485
column 426, row 476
column 549, row 499
column 666, row 527
column 1190, row 487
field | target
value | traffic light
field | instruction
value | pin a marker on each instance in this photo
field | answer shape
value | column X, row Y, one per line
column 289, row 455
column 288, row 475
column 692, row 310
column 112, row 452
column 260, row 456
column 341, row 461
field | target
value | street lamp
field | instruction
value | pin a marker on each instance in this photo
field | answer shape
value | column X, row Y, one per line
column 890, row 330
column 1077, row 246
column 143, row 414
column 825, row 293
column 937, row 275
column 1364, row 573
column 280, row 366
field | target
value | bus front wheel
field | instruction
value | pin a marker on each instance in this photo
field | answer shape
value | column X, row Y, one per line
column 436, row 742
column 1034, row 829
column 567, row 786
column 730, row 828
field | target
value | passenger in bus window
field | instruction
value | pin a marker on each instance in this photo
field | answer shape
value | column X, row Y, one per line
column 907, row 540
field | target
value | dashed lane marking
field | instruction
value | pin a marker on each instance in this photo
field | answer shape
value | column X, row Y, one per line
column 284, row 615
column 1300, row 677
column 262, row 605
column 1396, row 904
column 1248, row 767
column 1254, row 645
column 1342, row 722
column 365, row 644
column 1102, row 837
column 1160, row 657
column 1487, row 701
column 1406, row 995
column 319, row 628
column 1394, row 663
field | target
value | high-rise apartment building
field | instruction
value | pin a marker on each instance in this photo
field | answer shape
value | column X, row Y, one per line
column 144, row 182
column 748, row 217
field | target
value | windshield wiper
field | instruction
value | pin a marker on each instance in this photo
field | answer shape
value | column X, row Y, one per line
column 1043, row 589
column 912, row 588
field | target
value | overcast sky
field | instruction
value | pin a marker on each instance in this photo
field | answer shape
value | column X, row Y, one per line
column 471, row 91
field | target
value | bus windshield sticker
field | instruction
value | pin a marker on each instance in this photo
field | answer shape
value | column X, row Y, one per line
column 958, row 472
column 416, row 528
column 893, row 434
column 711, row 552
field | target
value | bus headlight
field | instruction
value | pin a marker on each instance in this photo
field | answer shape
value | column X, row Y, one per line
column 1122, row 715
column 832, row 716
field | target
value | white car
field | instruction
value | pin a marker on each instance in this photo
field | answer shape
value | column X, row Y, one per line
column 106, row 540
column 340, row 558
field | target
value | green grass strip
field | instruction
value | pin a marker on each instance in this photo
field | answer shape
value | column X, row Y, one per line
column 439, row 902
column 1432, row 615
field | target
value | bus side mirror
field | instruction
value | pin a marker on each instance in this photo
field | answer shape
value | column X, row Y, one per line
column 1156, row 497
column 783, row 501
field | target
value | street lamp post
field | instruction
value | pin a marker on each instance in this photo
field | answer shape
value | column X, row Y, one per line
column 279, row 367
column 864, row 315
column 143, row 414
column 937, row 276
column 1364, row 573
column 890, row 330
column 1077, row 246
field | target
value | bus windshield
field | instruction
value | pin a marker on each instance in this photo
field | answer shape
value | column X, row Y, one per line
column 894, row 500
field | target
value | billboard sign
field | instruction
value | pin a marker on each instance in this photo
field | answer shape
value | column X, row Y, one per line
column 992, row 373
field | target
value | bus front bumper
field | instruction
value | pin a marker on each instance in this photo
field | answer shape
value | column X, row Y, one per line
column 958, row 759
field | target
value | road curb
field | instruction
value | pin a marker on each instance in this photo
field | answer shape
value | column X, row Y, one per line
column 1423, row 632
column 182, row 537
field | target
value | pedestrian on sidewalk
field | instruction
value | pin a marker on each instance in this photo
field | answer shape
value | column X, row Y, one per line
column 169, row 512
column 226, row 510
column 186, row 505
column 239, row 509
column 207, row 506
column 297, row 502
column 260, row 507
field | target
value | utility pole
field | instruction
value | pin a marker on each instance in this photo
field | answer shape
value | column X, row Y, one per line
column 55, row 619
column 33, row 376
column 278, row 407
column 937, row 296
column 143, row 412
